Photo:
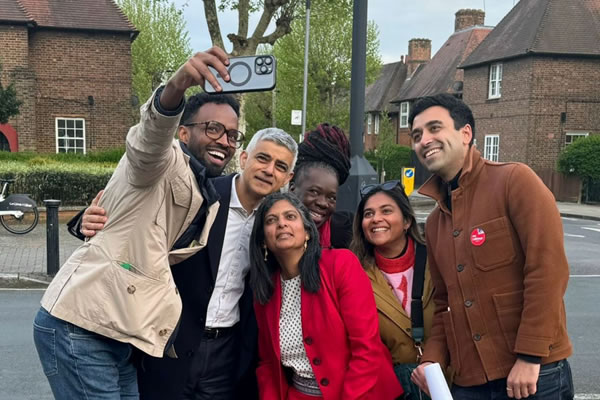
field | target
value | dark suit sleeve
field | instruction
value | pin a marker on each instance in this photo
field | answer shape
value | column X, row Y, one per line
column 341, row 229
column 74, row 225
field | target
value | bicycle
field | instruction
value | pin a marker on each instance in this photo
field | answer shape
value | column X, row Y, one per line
column 18, row 212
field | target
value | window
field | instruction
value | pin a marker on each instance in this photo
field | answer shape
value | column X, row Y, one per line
column 491, row 147
column 495, row 90
column 70, row 135
column 571, row 137
column 404, row 114
column 369, row 123
column 377, row 124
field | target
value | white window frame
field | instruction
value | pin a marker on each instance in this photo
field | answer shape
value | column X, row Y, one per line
column 491, row 148
column 571, row 137
column 369, row 123
column 377, row 124
column 62, row 141
column 404, row 111
column 495, row 82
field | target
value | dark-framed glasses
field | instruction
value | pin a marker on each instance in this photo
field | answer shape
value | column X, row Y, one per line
column 389, row 185
column 215, row 130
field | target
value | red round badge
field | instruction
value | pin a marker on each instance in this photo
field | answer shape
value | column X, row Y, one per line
column 477, row 237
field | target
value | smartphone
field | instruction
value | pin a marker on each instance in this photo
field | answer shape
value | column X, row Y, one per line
column 247, row 74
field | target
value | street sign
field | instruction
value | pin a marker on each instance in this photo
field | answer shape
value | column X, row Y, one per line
column 408, row 180
column 296, row 117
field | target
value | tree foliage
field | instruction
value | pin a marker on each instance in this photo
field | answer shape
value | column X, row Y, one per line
column 9, row 104
column 581, row 158
column 161, row 46
column 329, row 69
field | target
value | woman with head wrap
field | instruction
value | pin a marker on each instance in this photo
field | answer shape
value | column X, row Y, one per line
column 323, row 165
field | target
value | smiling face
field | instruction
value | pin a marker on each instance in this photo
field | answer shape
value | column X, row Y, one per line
column 384, row 225
column 440, row 147
column 284, row 228
column 266, row 168
column 213, row 154
column 317, row 189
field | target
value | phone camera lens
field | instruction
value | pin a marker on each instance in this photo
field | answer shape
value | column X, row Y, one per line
column 263, row 69
column 268, row 61
column 259, row 61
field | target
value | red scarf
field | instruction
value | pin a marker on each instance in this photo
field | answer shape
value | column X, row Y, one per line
column 398, row 265
column 325, row 234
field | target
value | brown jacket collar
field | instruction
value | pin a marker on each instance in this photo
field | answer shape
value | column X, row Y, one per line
column 437, row 189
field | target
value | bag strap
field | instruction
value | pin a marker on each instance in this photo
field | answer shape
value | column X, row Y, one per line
column 416, row 305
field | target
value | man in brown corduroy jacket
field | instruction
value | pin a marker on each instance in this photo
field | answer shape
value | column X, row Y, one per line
column 497, row 259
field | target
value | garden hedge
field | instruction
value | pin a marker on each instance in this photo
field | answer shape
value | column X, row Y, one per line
column 74, row 184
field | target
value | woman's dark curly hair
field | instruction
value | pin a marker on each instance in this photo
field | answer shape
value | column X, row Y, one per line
column 325, row 147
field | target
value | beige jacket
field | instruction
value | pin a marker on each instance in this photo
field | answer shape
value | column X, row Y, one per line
column 151, row 199
column 394, row 323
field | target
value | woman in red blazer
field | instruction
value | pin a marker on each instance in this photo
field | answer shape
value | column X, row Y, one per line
column 318, row 333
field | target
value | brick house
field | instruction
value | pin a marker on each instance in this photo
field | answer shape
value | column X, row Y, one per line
column 440, row 75
column 534, row 85
column 70, row 61
column 380, row 93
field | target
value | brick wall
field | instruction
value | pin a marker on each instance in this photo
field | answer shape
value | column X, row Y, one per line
column 507, row 116
column 14, row 56
column 536, row 91
column 56, row 73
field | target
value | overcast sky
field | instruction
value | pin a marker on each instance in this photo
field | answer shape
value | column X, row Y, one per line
column 398, row 22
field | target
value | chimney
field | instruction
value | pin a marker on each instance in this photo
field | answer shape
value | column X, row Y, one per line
column 467, row 18
column 419, row 52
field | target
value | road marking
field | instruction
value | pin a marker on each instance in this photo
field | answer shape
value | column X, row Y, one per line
column 584, row 276
column 577, row 236
column 569, row 219
column 591, row 229
column 587, row 396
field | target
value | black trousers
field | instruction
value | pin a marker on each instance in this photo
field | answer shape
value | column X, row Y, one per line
column 212, row 370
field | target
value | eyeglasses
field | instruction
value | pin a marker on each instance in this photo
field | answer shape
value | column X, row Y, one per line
column 215, row 130
column 389, row 185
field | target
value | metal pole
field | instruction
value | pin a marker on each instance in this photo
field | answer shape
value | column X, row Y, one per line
column 359, row 65
column 361, row 172
column 305, row 85
column 52, row 250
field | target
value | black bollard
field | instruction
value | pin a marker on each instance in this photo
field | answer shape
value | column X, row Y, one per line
column 52, row 251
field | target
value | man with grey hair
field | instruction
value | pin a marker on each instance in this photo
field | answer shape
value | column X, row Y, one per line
column 217, row 338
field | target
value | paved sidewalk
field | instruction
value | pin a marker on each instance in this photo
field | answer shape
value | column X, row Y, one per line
column 26, row 254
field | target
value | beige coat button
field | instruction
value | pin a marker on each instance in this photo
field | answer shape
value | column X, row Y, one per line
column 131, row 289
column 162, row 332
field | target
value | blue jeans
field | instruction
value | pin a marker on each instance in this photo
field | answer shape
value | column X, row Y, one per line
column 554, row 383
column 80, row 364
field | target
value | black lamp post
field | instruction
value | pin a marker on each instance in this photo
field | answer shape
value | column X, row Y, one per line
column 361, row 172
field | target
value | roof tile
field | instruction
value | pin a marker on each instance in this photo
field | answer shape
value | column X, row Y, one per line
column 542, row 26
column 69, row 14
column 439, row 74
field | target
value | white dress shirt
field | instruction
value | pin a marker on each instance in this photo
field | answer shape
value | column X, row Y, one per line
column 223, row 309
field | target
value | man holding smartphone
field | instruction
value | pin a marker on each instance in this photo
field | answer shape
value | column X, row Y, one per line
column 216, row 342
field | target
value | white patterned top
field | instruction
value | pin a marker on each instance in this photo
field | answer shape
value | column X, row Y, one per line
column 291, row 342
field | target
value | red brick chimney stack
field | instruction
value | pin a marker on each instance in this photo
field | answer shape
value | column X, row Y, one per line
column 466, row 18
column 419, row 52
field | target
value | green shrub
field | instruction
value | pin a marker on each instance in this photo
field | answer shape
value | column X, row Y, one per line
column 398, row 157
column 581, row 158
column 73, row 184
column 111, row 156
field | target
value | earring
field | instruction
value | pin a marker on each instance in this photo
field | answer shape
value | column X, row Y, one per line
column 266, row 253
column 306, row 243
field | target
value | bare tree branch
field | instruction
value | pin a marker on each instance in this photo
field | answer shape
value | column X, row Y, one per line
column 212, row 20
column 243, row 11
